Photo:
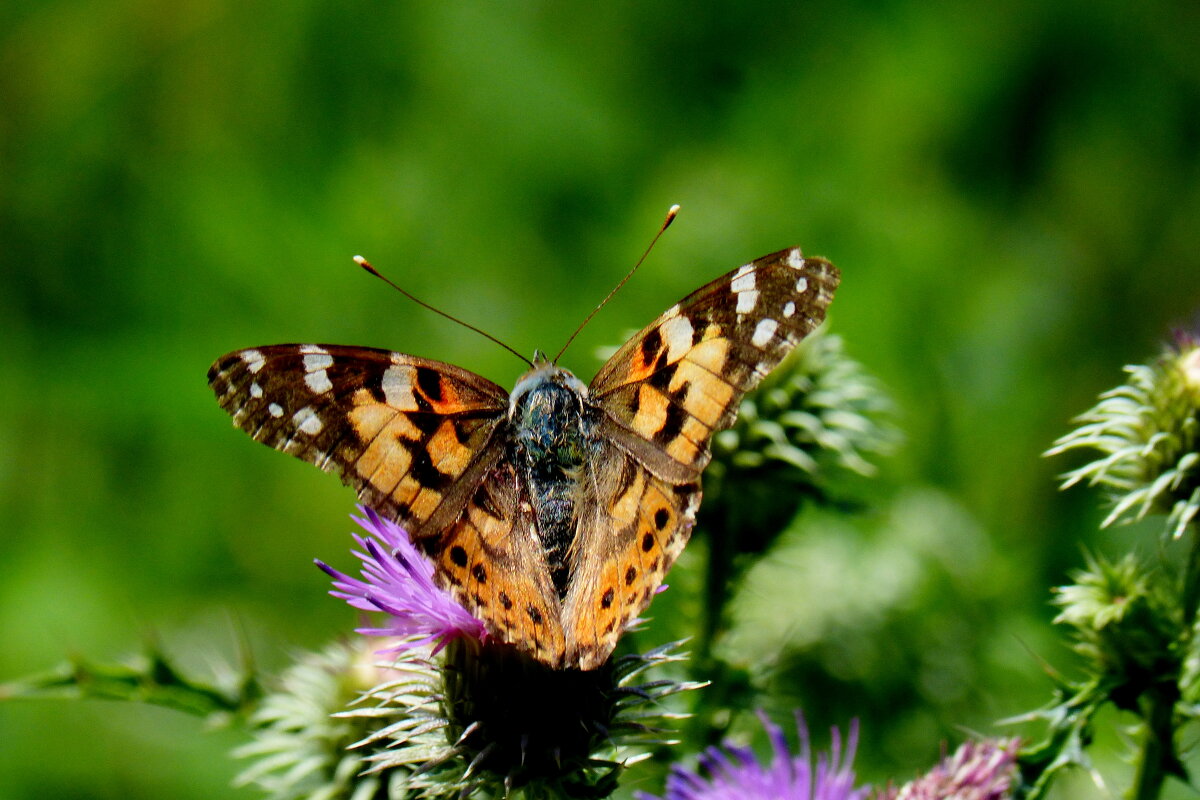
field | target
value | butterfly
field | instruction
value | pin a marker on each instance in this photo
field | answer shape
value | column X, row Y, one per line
column 553, row 512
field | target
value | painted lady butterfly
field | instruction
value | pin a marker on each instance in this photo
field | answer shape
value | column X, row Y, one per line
column 554, row 512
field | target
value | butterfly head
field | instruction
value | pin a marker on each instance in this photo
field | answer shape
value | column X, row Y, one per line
column 545, row 383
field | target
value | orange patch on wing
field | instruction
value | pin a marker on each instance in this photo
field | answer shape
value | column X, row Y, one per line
column 625, row 509
column 652, row 411
column 448, row 455
column 405, row 491
column 493, row 532
column 425, row 503
column 695, row 430
column 708, row 396
column 449, row 403
column 711, row 353
column 683, row 450
column 369, row 418
column 639, row 369
column 383, row 463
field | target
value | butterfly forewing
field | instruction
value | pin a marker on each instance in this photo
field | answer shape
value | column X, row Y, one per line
column 407, row 433
column 681, row 378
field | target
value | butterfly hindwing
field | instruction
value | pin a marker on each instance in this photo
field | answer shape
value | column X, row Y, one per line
column 492, row 562
column 631, row 528
column 407, row 433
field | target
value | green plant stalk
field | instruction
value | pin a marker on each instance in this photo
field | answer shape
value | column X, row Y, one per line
column 1157, row 757
column 1191, row 584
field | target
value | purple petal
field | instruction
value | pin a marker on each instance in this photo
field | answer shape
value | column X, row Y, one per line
column 397, row 579
column 735, row 774
column 981, row 770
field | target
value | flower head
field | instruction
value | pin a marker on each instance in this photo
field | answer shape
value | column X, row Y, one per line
column 484, row 715
column 300, row 741
column 1125, row 622
column 977, row 771
column 1148, row 434
column 487, row 721
column 398, row 580
column 734, row 772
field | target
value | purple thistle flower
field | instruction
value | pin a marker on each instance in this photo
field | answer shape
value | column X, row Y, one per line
column 398, row 580
column 977, row 771
column 735, row 774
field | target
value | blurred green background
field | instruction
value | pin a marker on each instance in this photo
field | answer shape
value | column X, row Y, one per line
column 1011, row 190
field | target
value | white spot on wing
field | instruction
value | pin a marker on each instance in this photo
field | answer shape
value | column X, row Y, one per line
column 763, row 332
column 747, row 301
column 796, row 259
column 743, row 279
column 313, row 349
column 789, row 309
column 802, row 285
column 254, row 360
column 317, row 361
column 677, row 333
column 307, row 421
column 275, row 409
column 397, row 387
column 255, row 390
column 318, row 381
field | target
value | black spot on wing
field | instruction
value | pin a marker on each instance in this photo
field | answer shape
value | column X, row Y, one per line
column 422, row 468
column 652, row 345
column 661, row 378
column 373, row 383
column 672, row 425
column 429, row 383
column 425, row 423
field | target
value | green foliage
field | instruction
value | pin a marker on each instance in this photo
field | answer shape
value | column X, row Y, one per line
column 1149, row 432
column 151, row 678
column 1133, row 622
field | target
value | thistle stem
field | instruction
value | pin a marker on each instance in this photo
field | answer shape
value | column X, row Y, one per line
column 1157, row 754
column 1156, row 758
column 1191, row 583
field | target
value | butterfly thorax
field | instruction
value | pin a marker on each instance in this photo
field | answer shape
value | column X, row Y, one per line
column 553, row 438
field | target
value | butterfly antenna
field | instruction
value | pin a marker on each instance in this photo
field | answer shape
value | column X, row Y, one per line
column 666, row 224
column 362, row 262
